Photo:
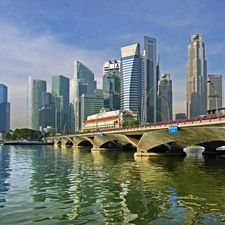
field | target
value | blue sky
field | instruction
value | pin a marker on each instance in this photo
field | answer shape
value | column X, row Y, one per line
column 42, row 38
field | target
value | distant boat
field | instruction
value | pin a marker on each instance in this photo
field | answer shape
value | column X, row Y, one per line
column 26, row 142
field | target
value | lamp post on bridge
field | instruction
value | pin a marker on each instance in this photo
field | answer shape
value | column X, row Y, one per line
column 64, row 129
column 144, row 104
column 168, row 112
column 215, row 92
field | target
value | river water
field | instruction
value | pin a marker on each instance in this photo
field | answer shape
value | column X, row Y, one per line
column 49, row 185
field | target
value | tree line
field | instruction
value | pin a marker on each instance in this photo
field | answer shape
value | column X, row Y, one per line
column 22, row 134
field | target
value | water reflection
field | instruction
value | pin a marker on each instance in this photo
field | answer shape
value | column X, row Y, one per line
column 75, row 186
column 4, row 174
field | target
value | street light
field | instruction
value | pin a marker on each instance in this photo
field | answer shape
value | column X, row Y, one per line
column 161, row 115
column 145, row 100
column 168, row 113
column 215, row 92
column 65, row 126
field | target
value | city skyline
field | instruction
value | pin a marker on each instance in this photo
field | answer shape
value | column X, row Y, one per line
column 37, row 42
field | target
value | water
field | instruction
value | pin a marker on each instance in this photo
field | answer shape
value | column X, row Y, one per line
column 47, row 185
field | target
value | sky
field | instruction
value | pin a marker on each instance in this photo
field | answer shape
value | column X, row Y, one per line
column 42, row 39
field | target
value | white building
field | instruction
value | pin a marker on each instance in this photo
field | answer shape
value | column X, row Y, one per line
column 106, row 119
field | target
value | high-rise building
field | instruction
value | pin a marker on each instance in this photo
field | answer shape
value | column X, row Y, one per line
column 61, row 88
column 131, row 78
column 165, row 103
column 111, row 84
column 34, row 101
column 84, row 83
column 47, row 111
column 149, row 81
column 4, row 109
column 90, row 104
column 196, row 69
column 214, row 92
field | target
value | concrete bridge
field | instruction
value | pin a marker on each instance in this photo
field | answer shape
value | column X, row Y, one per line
column 168, row 138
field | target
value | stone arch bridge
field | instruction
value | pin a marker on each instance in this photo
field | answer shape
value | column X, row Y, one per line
column 154, row 140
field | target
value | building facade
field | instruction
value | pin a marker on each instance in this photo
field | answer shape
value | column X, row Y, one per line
column 196, row 76
column 84, row 83
column 107, row 119
column 214, row 92
column 4, row 109
column 47, row 112
column 131, row 87
column 165, row 98
column 61, row 88
column 34, row 101
column 111, row 84
column 149, row 81
column 90, row 104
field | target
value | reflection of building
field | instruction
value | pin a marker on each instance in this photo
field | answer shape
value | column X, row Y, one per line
column 214, row 91
column 84, row 83
column 111, row 84
column 106, row 119
column 165, row 103
column 196, row 69
column 131, row 78
column 4, row 109
column 34, row 101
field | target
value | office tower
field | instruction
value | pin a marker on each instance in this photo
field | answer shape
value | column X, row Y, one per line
column 61, row 88
column 84, row 83
column 131, row 78
column 47, row 111
column 196, row 76
column 111, row 84
column 214, row 92
column 90, row 105
column 72, row 117
column 150, row 79
column 3, row 93
column 4, row 109
column 165, row 103
column 34, row 101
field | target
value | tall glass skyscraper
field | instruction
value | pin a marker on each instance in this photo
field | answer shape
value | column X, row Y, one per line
column 84, row 83
column 165, row 103
column 196, row 69
column 149, row 81
column 214, row 91
column 131, row 78
column 111, row 84
column 34, row 101
column 4, row 109
column 61, row 88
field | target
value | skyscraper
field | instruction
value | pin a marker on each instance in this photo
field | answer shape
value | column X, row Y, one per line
column 149, row 81
column 4, row 109
column 214, row 91
column 196, row 69
column 47, row 111
column 34, row 101
column 165, row 103
column 111, row 84
column 131, row 78
column 61, row 88
column 84, row 83
column 90, row 104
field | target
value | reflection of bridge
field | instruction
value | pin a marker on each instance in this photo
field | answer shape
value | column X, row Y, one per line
column 155, row 139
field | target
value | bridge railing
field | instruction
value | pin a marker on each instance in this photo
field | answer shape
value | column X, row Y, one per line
column 200, row 119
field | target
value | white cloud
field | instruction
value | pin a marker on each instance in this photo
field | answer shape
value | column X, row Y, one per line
column 40, row 57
